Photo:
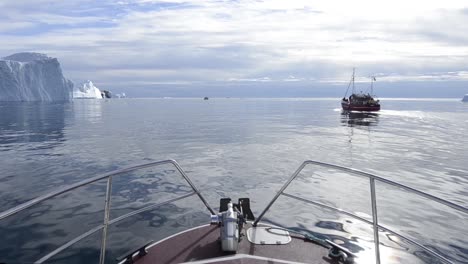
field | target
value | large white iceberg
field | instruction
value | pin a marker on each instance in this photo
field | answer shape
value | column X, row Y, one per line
column 31, row 76
column 87, row 91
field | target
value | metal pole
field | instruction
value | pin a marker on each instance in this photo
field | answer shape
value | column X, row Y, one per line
column 107, row 203
column 47, row 196
column 375, row 220
column 187, row 179
column 280, row 192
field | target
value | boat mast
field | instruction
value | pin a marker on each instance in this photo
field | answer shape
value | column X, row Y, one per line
column 372, row 85
column 349, row 85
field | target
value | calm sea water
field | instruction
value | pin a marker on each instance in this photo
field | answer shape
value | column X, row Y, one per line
column 234, row 148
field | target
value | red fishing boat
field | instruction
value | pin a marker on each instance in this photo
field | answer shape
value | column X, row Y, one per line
column 360, row 101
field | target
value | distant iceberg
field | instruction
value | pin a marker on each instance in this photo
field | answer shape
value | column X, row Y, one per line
column 32, row 76
column 87, row 91
column 121, row 95
column 106, row 94
column 465, row 98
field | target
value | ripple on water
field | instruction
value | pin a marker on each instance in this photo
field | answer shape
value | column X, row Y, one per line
column 235, row 148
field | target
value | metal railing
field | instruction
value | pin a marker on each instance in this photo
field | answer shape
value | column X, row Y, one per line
column 376, row 226
column 107, row 221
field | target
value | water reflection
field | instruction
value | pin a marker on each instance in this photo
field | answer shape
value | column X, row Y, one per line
column 30, row 123
column 353, row 119
column 222, row 144
column 357, row 238
column 88, row 110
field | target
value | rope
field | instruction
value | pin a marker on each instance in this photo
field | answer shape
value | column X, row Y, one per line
column 307, row 237
column 349, row 84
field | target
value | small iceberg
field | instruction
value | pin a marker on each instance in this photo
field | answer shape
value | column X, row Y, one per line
column 87, row 91
column 106, row 94
column 465, row 98
column 121, row 95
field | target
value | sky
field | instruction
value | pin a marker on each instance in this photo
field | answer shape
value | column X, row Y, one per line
column 273, row 48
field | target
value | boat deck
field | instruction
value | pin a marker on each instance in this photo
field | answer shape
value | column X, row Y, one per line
column 202, row 245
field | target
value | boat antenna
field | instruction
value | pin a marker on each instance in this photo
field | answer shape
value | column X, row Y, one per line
column 353, row 78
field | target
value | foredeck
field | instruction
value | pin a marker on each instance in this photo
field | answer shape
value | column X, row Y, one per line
column 202, row 245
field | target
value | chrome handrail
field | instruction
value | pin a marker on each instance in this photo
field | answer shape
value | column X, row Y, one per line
column 376, row 226
column 107, row 208
column 100, row 227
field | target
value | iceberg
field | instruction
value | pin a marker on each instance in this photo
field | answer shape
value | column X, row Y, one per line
column 87, row 91
column 32, row 76
column 106, row 94
column 121, row 95
column 465, row 98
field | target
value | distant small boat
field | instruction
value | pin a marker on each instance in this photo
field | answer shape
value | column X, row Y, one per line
column 465, row 98
column 360, row 101
column 205, row 98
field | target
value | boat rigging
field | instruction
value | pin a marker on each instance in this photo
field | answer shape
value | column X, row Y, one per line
column 360, row 101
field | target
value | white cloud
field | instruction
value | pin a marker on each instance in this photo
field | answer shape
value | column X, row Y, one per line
column 210, row 41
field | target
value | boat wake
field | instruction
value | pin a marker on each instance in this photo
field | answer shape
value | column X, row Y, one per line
column 414, row 114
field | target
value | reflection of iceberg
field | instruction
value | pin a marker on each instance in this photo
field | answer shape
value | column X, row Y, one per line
column 31, row 122
column 88, row 110
column 465, row 98
column 87, row 91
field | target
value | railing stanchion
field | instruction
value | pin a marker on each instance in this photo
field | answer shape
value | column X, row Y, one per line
column 280, row 192
column 194, row 188
column 107, row 203
column 375, row 220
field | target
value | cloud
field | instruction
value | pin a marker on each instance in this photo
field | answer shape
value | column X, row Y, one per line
column 202, row 42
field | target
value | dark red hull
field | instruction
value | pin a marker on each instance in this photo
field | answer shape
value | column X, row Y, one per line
column 365, row 108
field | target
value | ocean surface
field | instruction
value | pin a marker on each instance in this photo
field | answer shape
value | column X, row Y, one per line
column 232, row 147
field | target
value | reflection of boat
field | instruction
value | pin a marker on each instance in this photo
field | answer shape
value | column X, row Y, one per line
column 360, row 101
column 359, row 118
column 465, row 98
column 235, row 235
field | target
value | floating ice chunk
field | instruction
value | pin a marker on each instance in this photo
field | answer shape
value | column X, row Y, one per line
column 87, row 91
column 465, row 98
